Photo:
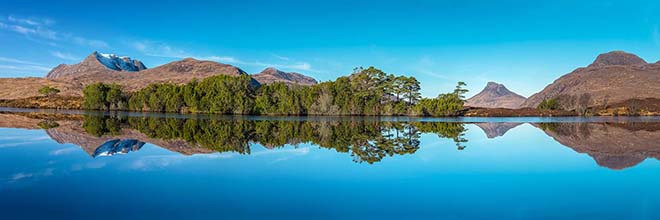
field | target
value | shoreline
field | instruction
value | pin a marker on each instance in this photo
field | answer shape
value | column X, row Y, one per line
column 468, row 113
column 646, row 107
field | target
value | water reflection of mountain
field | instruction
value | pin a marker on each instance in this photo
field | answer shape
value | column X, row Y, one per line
column 494, row 130
column 117, row 146
column 75, row 133
column 612, row 145
column 365, row 140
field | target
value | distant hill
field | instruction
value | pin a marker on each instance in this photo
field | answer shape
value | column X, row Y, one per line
column 613, row 77
column 495, row 95
column 272, row 75
column 108, row 68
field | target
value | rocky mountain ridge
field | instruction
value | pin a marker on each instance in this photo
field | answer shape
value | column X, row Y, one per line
column 132, row 75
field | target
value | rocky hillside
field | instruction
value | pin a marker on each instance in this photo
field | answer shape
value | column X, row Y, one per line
column 92, row 69
column 613, row 77
column 272, row 75
column 108, row 68
column 495, row 95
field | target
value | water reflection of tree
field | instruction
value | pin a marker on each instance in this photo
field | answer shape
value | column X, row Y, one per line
column 366, row 140
column 579, row 129
column 98, row 126
column 455, row 131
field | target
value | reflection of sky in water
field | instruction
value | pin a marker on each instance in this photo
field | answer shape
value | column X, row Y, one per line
column 523, row 174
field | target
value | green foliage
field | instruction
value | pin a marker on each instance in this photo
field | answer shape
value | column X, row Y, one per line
column 100, row 96
column 460, row 91
column 48, row 124
column 225, row 95
column 367, row 91
column 410, row 89
column 454, row 131
column 449, row 104
column 99, row 126
column 280, row 99
column 549, row 126
column 219, row 94
column 549, row 104
column 48, row 91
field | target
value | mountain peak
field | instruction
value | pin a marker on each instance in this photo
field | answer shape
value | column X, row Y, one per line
column 617, row 58
column 492, row 84
column 272, row 71
column 97, row 62
column 495, row 95
column 118, row 63
column 497, row 89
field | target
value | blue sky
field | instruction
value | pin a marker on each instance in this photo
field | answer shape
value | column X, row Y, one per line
column 523, row 44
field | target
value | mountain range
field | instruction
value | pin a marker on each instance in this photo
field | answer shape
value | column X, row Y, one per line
column 613, row 78
column 98, row 67
column 132, row 75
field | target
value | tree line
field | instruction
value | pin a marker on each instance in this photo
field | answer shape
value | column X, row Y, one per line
column 367, row 91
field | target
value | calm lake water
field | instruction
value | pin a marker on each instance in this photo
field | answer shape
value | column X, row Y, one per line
column 167, row 166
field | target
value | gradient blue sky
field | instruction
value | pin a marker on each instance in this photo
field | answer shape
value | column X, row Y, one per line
column 523, row 44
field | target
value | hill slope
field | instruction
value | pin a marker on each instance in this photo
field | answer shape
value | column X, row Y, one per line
column 613, row 77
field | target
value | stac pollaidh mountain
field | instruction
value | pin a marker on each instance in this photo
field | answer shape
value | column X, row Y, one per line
column 495, row 95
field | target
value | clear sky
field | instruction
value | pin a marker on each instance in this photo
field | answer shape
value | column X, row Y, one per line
column 522, row 44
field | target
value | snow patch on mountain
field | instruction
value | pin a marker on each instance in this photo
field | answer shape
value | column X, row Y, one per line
column 118, row 63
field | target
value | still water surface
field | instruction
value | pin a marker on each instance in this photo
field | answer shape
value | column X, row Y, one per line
column 159, row 166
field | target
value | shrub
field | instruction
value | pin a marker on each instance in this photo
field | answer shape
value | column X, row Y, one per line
column 549, row 104
column 48, row 91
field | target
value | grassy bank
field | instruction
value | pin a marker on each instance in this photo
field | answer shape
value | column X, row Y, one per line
column 45, row 102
